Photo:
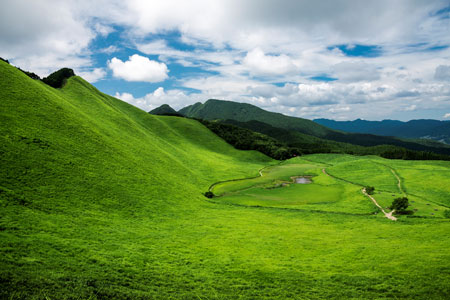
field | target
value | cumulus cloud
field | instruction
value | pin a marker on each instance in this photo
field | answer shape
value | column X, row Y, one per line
column 411, row 107
column 442, row 73
column 253, row 23
column 261, row 64
column 102, row 29
column 44, row 35
column 447, row 116
column 92, row 76
column 138, row 68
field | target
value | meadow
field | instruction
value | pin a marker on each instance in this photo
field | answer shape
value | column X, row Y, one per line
column 337, row 182
column 100, row 200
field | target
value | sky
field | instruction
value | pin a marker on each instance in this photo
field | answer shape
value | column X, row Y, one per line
column 336, row 59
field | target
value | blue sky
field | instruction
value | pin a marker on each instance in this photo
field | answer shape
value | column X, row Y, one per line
column 338, row 59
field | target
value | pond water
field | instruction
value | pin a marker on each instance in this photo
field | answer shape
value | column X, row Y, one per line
column 302, row 180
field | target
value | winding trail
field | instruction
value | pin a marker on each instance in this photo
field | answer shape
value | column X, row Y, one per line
column 399, row 183
column 387, row 215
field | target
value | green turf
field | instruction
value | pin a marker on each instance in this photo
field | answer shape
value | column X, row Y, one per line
column 100, row 200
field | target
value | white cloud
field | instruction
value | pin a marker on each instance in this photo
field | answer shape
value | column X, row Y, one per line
column 139, row 68
column 447, row 116
column 102, row 29
column 42, row 36
column 352, row 71
column 262, row 64
column 92, row 76
column 109, row 50
column 411, row 107
column 339, row 109
column 127, row 97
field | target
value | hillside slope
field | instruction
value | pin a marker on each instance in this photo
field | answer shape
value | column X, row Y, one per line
column 243, row 112
column 78, row 164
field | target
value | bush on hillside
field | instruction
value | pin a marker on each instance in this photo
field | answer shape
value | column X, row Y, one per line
column 400, row 205
column 209, row 194
column 370, row 190
column 30, row 74
column 58, row 78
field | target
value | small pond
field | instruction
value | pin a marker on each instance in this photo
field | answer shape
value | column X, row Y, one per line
column 302, row 180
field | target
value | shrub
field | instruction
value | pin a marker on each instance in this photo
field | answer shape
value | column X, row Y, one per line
column 209, row 194
column 400, row 204
column 370, row 190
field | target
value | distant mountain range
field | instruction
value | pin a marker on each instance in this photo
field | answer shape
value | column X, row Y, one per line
column 302, row 133
column 427, row 129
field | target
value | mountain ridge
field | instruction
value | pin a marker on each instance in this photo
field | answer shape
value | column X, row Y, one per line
column 418, row 128
column 214, row 109
column 164, row 110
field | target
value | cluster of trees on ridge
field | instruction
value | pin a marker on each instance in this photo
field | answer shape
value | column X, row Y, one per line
column 245, row 139
column 56, row 79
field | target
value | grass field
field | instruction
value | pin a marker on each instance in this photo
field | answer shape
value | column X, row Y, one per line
column 100, row 200
column 341, row 192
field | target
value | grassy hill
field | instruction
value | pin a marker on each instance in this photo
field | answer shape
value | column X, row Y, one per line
column 243, row 112
column 100, row 200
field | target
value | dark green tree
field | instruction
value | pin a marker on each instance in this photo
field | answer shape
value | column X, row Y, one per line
column 370, row 190
column 400, row 204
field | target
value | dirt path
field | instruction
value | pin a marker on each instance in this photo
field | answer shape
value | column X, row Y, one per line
column 399, row 183
column 387, row 215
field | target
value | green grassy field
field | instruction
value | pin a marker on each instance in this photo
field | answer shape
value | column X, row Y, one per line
column 341, row 192
column 100, row 200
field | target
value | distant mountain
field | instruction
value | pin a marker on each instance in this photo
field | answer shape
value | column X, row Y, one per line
column 164, row 110
column 227, row 110
column 429, row 129
column 243, row 112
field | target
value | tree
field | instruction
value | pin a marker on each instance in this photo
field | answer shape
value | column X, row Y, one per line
column 400, row 204
column 370, row 190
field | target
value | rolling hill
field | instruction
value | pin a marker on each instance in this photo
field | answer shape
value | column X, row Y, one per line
column 243, row 112
column 101, row 200
column 430, row 129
